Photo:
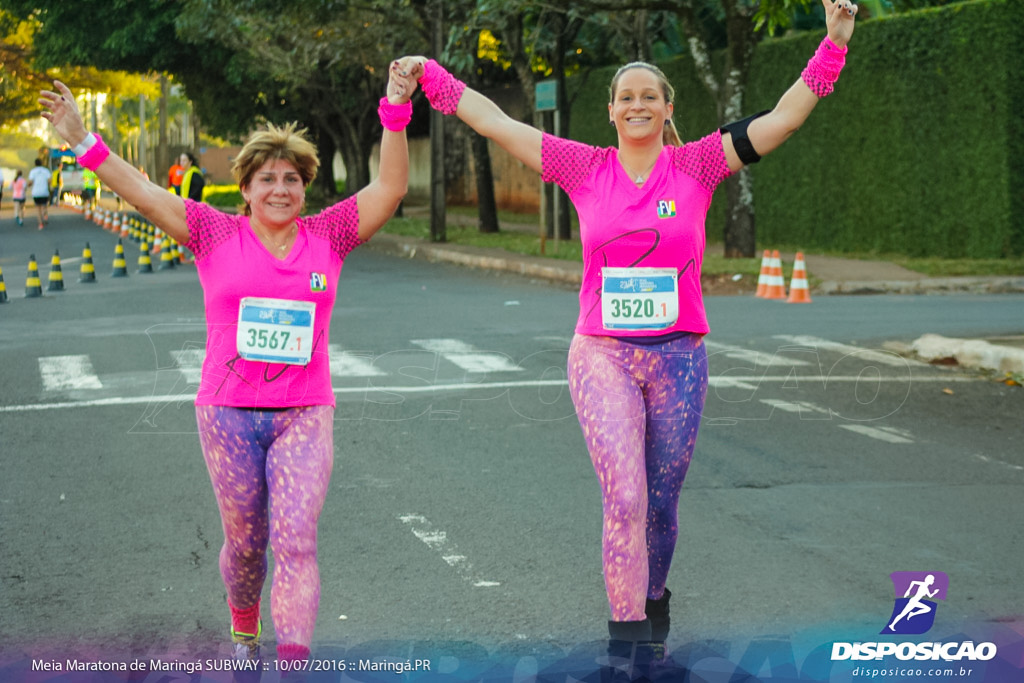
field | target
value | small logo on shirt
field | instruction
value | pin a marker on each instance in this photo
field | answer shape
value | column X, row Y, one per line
column 666, row 208
column 317, row 282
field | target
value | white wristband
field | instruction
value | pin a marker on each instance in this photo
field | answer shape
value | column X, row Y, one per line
column 85, row 145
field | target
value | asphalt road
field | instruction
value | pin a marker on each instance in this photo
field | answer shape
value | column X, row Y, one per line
column 464, row 515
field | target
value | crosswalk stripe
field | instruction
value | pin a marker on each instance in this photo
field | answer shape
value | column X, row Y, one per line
column 756, row 357
column 795, row 406
column 346, row 364
column 887, row 434
column 468, row 357
column 883, row 357
column 60, row 373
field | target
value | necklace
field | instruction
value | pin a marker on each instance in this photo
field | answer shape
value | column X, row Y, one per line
column 638, row 178
column 280, row 247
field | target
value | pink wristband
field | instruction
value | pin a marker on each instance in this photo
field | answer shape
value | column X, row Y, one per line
column 443, row 90
column 394, row 116
column 822, row 70
column 95, row 155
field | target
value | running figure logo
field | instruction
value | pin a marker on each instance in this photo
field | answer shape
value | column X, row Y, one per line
column 914, row 612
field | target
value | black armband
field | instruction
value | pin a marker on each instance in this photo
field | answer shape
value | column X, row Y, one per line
column 740, row 142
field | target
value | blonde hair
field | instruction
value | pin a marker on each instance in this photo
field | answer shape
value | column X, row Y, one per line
column 288, row 143
column 670, row 136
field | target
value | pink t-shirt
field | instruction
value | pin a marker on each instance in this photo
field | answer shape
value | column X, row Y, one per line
column 658, row 225
column 18, row 186
column 233, row 264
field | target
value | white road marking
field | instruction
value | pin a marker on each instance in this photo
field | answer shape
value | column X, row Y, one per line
column 421, row 389
column 993, row 461
column 467, row 356
column 345, row 364
column 795, row 406
column 888, row 434
column 883, row 357
column 190, row 363
column 437, row 540
column 60, row 373
column 756, row 357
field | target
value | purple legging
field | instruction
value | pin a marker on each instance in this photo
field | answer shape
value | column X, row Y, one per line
column 270, row 470
column 640, row 408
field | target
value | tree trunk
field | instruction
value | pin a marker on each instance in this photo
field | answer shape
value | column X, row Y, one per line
column 163, row 155
column 740, row 231
column 486, row 203
column 739, row 221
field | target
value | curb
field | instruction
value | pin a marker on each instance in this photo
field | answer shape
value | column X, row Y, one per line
column 944, row 285
column 971, row 353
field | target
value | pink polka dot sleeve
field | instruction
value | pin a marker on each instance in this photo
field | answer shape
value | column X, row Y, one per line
column 338, row 224
column 208, row 228
column 703, row 160
column 567, row 162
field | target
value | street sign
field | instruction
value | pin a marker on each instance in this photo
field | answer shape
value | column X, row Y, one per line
column 546, row 94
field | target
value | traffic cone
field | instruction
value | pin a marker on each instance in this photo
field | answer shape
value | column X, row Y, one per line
column 87, row 213
column 158, row 241
column 776, row 284
column 115, row 223
column 799, row 292
column 120, row 267
column 145, row 262
column 3, row 288
column 87, row 273
column 166, row 255
column 56, row 277
column 33, row 287
column 762, row 279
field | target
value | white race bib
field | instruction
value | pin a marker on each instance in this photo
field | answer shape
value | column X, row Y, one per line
column 639, row 298
column 275, row 330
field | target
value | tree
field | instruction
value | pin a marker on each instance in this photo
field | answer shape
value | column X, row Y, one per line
column 328, row 56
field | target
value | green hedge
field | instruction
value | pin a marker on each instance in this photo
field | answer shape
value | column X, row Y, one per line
column 918, row 151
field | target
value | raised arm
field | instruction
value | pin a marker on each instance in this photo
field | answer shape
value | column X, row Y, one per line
column 451, row 96
column 378, row 200
column 766, row 133
column 166, row 210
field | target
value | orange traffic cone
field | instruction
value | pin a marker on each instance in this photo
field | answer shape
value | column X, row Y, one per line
column 776, row 284
column 762, row 279
column 799, row 292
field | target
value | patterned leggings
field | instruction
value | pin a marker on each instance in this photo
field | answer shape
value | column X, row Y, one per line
column 640, row 408
column 270, row 470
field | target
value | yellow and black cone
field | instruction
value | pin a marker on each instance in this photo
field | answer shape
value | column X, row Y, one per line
column 145, row 262
column 3, row 288
column 33, row 287
column 87, row 273
column 120, row 267
column 56, row 275
column 166, row 255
